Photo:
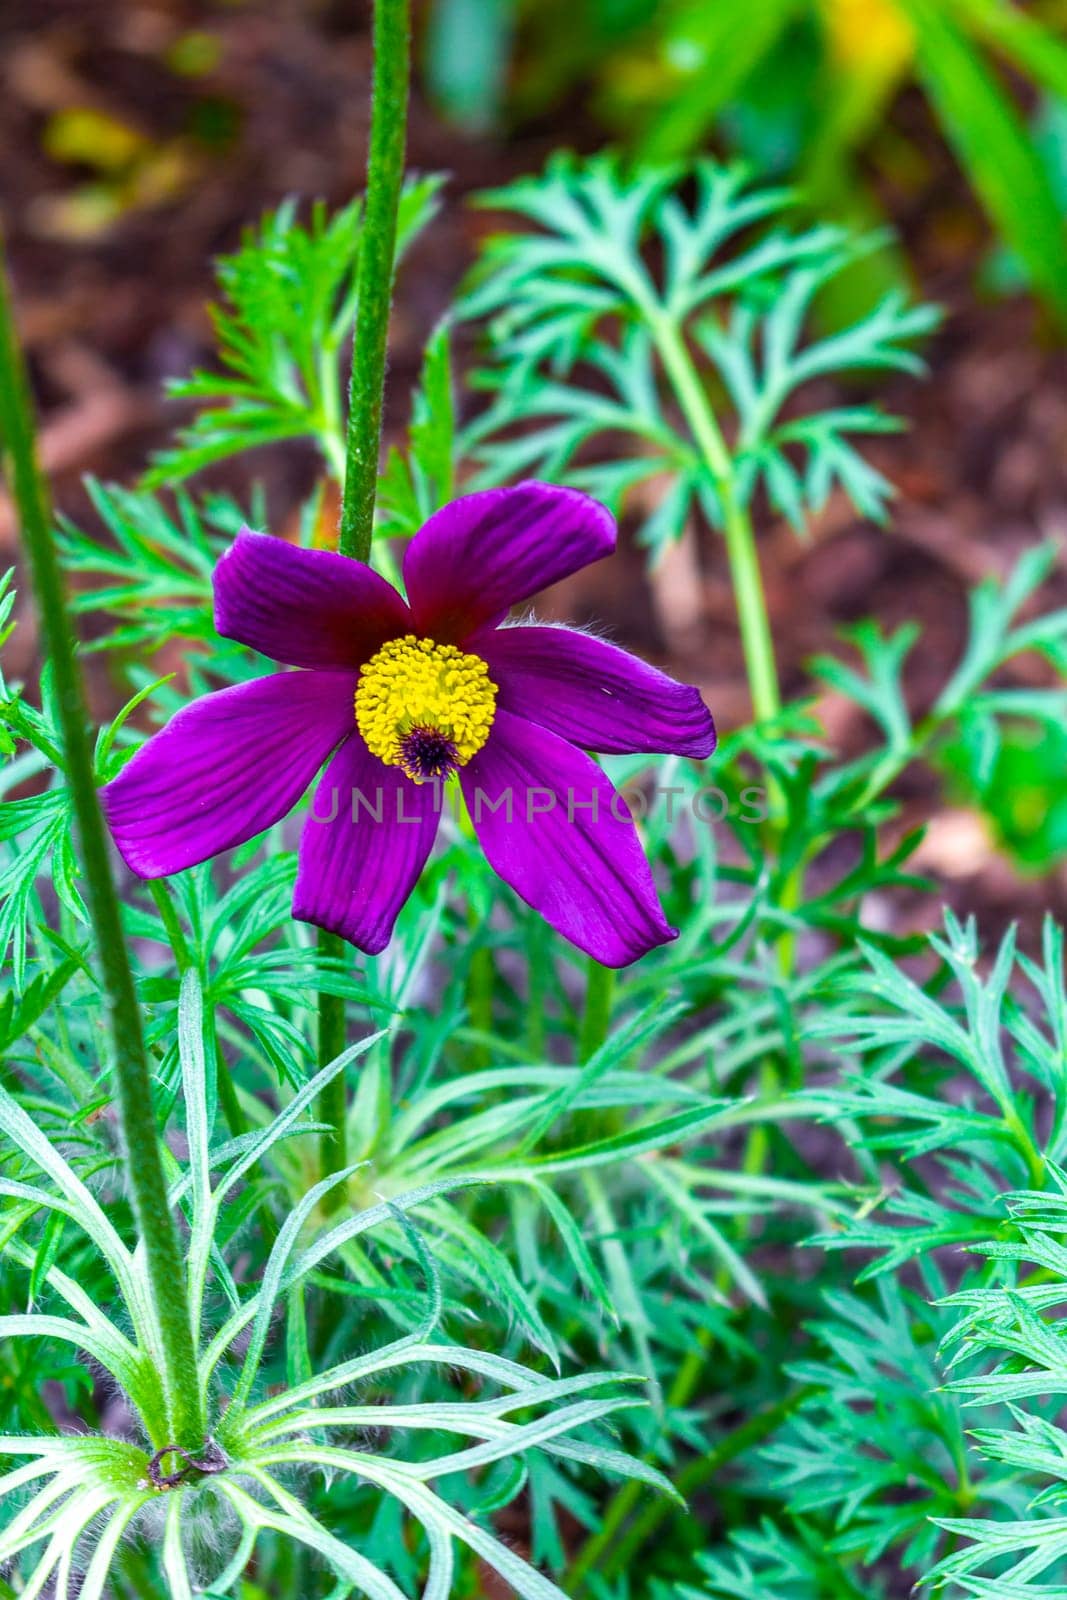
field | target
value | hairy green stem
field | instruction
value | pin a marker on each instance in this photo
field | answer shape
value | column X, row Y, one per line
column 737, row 526
column 374, row 288
column 374, row 282
column 166, row 1274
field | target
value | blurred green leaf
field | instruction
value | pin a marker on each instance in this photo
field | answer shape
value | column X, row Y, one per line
column 993, row 144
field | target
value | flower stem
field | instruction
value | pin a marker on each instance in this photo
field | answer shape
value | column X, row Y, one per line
column 374, row 289
column 737, row 525
column 160, row 892
column 374, row 283
column 480, row 1000
column 333, row 1101
column 130, row 1062
column 596, row 1018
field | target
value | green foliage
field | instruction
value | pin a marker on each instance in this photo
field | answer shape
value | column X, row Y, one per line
column 756, row 1225
column 1004, row 1128
column 803, row 88
column 416, row 482
column 593, row 348
column 108, row 1483
column 881, row 1454
column 1019, row 789
column 1010, row 1340
column 155, row 576
column 289, row 306
column 985, row 129
column 999, row 769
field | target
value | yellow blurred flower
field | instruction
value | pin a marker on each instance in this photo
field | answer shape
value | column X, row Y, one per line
column 866, row 33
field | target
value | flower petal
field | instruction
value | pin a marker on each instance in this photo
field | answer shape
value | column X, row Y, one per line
column 594, row 694
column 553, row 828
column 308, row 608
column 225, row 768
column 486, row 552
column 366, row 841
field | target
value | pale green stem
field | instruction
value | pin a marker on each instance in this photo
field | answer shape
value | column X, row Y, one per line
column 737, row 526
column 596, row 1018
column 171, row 922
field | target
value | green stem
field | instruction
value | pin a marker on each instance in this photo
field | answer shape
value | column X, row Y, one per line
column 157, row 887
column 897, row 758
column 374, row 289
column 480, row 1000
column 374, row 284
column 166, row 1274
column 596, row 1018
column 737, row 525
column 537, row 970
column 333, row 1101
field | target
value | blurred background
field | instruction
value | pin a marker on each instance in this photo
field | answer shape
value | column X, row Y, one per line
column 138, row 139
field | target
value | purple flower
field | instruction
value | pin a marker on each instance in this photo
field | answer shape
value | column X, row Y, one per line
column 403, row 695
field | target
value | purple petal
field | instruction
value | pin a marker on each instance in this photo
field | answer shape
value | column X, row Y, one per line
column 486, row 552
column 308, row 608
column 225, row 768
column 553, row 828
column 366, row 841
column 594, row 694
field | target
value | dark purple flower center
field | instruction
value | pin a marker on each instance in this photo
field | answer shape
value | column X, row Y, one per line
column 427, row 753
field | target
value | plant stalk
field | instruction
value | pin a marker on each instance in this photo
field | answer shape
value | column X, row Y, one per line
column 333, row 1101
column 374, row 281
column 374, row 289
column 480, row 998
column 740, row 539
column 596, row 1018
column 130, row 1061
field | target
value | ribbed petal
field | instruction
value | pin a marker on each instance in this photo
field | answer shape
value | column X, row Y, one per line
column 365, row 842
column 553, row 828
column 225, row 768
column 594, row 694
column 486, row 552
column 307, row 608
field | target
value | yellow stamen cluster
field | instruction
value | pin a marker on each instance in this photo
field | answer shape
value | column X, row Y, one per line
column 414, row 683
